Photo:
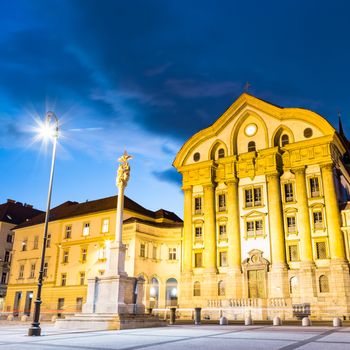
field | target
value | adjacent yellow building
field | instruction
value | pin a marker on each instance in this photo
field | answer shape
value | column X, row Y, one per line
column 263, row 234
column 79, row 235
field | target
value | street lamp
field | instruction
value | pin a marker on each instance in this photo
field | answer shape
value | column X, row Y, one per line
column 47, row 131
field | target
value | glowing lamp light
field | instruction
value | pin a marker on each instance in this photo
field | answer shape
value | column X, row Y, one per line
column 251, row 129
column 152, row 292
column 173, row 292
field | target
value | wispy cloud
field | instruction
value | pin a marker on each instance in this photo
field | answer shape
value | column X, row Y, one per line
column 189, row 88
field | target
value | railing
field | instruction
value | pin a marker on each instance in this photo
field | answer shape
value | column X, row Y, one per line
column 244, row 302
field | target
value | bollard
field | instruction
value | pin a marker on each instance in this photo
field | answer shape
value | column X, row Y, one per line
column 10, row 318
column 24, row 318
column 305, row 322
column 53, row 318
column 277, row 321
column 223, row 321
column 248, row 321
column 172, row 315
column 337, row 322
column 197, row 315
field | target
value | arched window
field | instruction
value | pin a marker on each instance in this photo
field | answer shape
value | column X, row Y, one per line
column 324, row 285
column 251, row 146
column 154, row 293
column 221, row 153
column 284, row 140
column 171, row 292
column 196, row 289
column 221, row 288
column 293, row 285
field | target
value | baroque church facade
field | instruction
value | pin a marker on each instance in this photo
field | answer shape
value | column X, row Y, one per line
column 264, row 230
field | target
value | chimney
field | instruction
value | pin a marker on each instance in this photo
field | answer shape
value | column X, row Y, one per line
column 28, row 205
column 10, row 200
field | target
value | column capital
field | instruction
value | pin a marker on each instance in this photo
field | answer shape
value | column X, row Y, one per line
column 272, row 176
column 208, row 185
column 327, row 166
column 299, row 170
column 186, row 188
column 233, row 180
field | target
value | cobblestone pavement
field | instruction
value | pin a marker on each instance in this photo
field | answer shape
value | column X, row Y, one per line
column 180, row 337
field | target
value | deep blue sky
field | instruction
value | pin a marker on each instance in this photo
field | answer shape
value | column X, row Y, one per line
column 144, row 76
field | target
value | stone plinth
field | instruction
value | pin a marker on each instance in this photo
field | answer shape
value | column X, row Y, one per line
column 94, row 321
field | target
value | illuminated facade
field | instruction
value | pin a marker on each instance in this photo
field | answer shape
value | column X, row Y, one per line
column 12, row 213
column 263, row 188
column 79, row 235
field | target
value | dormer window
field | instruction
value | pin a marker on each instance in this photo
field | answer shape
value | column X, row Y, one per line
column 284, row 140
column 251, row 146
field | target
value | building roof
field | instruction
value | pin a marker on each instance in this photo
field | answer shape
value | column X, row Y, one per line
column 16, row 212
column 152, row 223
column 71, row 209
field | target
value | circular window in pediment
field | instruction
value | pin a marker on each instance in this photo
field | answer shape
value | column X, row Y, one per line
column 251, row 129
column 196, row 157
column 308, row 133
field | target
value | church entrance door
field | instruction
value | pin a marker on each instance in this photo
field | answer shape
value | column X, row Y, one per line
column 256, row 283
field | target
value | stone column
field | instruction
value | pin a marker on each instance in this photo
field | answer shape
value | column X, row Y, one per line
column 278, row 277
column 307, row 278
column 209, row 229
column 234, row 275
column 187, row 230
column 336, row 239
column 303, row 220
column 278, row 252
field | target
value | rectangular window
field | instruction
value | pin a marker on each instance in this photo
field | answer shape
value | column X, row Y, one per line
column 7, row 257
column 102, row 253
column 314, row 187
column 154, row 252
column 86, row 229
column 105, row 225
column 293, row 252
column 288, row 192
column 222, row 202
column 79, row 304
column 21, row 271
column 291, row 224
column 255, row 228
column 68, row 232
column 223, row 258
column 222, row 230
column 198, row 232
column 172, row 253
column 321, row 250
column 142, row 250
column 248, row 198
column 83, row 255
column 82, row 278
column 4, row 278
column 24, row 244
column 36, row 242
column 46, row 266
column 253, row 197
column 198, row 205
column 257, row 197
column 65, row 256
column 63, row 279
column 9, row 238
column 60, row 303
column 48, row 240
column 318, row 220
column 32, row 271
column 250, row 229
column 259, row 228
column 198, row 259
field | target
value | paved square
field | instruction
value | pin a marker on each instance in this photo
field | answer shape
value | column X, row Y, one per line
column 180, row 337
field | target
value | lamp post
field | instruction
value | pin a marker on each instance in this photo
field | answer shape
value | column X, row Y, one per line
column 35, row 329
